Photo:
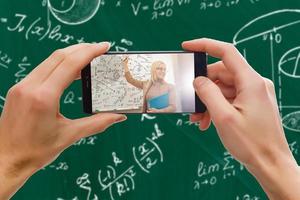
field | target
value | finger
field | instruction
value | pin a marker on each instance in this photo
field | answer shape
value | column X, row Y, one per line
column 217, row 71
column 88, row 126
column 42, row 71
column 203, row 119
column 230, row 56
column 212, row 97
column 271, row 90
column 78, row 77
column 270, row 86
column 67, row 71
column 205, row 122
column 196, row 117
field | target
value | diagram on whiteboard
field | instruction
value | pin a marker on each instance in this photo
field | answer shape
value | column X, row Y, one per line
column 289, row 63
column 72, row 12
column 273, row 40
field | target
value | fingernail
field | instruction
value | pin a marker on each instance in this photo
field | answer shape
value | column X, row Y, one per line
column 120, row 118
column 105, row 45
column 199, row 81
column 199, row 126
column 184, row 42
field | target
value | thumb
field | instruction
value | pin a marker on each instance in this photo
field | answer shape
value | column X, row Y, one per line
column 87, row 126
column 212, row 97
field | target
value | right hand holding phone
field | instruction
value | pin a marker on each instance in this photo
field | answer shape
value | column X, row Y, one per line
column 242, row 105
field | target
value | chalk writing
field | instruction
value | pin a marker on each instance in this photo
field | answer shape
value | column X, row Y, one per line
column 185, row 121
column 5, row 60
column 147, row 116
column 215, row 4
column 39, row 29
column 22, row 69
column 71, row 98
column 60, row 166
column 146, row 156
column 91, row 141
column 211, row 174
column 2, row 102
column 284, row 69
column 247, row 197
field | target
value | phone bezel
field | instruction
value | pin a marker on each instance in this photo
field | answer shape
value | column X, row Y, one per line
column 200, row 69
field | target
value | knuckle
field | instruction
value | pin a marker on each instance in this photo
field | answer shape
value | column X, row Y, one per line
column 41, row 100
column 59, row 54
column 17, row 91
column 108, row 121
column 261, row 87
column 72, row 59
column 203, row 86
column 227, row 118
column 259, row 83
column 269, row 84
column 37, row 102
column 205, row 89
column 230, row 47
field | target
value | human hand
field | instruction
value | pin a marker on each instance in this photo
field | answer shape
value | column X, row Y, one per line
column 32, row 130
column 242, row 105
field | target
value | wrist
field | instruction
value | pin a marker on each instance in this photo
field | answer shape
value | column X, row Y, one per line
column 279, row 177
column 13, row 175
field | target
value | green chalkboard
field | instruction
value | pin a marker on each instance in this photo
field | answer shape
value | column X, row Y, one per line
column 151, row 156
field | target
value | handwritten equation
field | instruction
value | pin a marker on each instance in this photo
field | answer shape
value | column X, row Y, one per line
column 209, row 174
column 247, row 197
column 146, row 156
column 118, row 178
column 216, row 4
column 39, row 29
column 5, row 60
column 60, row 166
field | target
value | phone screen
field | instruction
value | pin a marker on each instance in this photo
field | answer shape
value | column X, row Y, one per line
column 143, row 83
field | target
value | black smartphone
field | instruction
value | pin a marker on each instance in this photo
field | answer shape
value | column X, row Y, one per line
column 143, row 82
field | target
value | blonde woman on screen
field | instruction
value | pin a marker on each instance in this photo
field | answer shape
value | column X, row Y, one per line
column 156, row 91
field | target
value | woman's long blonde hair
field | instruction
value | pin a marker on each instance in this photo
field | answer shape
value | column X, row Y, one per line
column 154, row 65
column 153, row 78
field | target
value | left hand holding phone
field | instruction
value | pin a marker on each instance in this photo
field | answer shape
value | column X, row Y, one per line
column 33, row 132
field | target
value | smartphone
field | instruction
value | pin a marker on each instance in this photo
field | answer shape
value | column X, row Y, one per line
column 143, row 82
